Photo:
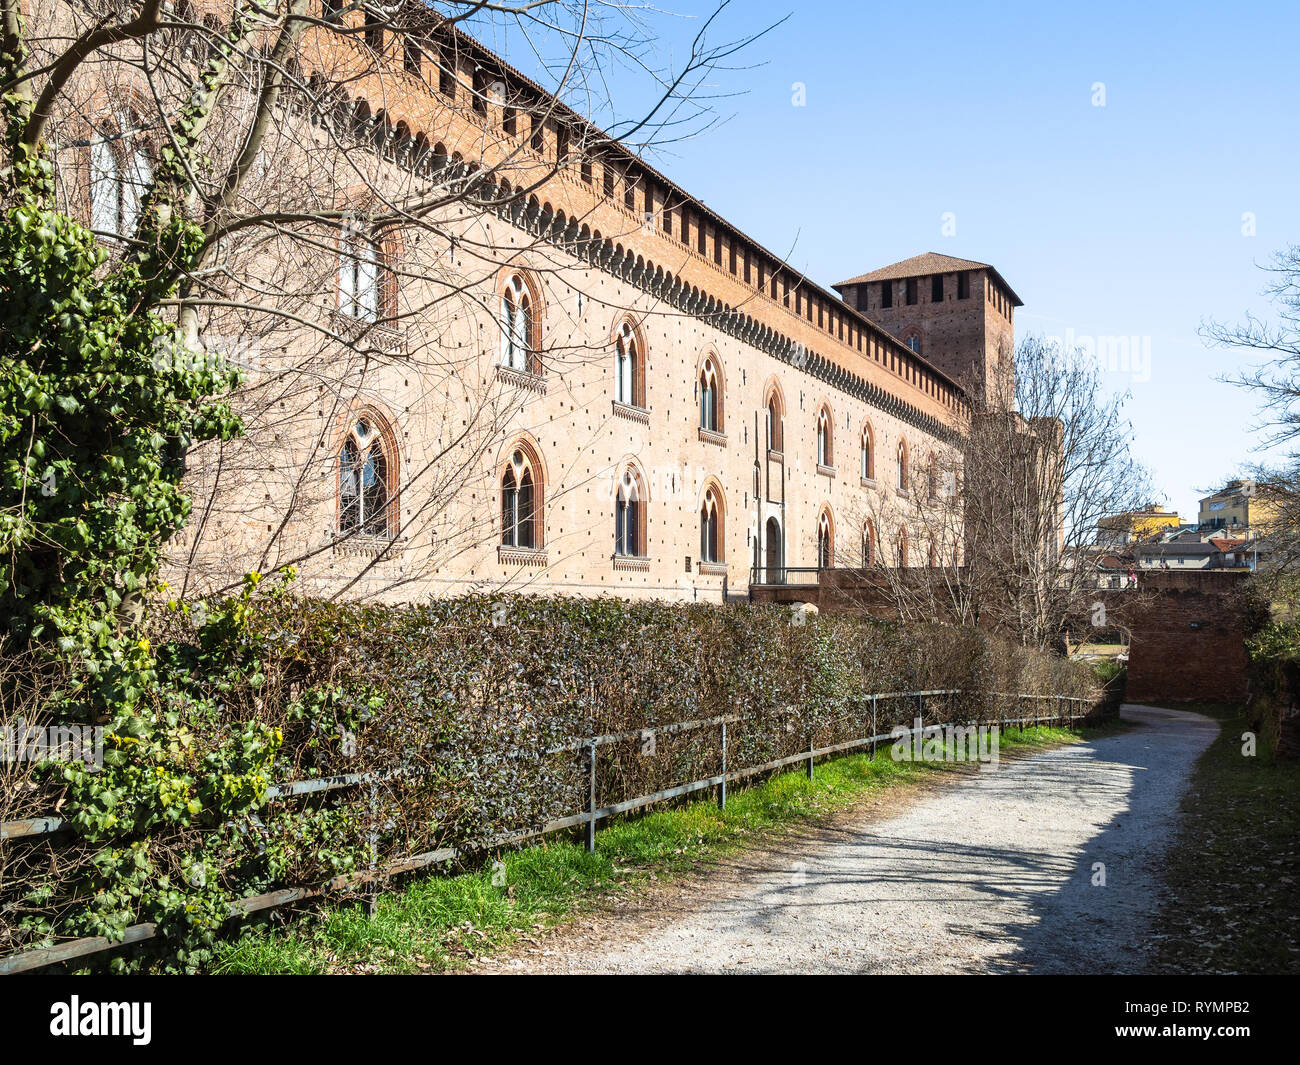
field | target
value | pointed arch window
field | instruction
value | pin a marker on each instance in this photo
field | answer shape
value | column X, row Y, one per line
column 869, row 543
column 867, row 456
column 518, row 326
column 521, row 501
column 629, row 369
column 367, row 479
column 120, row 175
column 710, row 397
column 825, row 541
column 360, row 268
column 775, row 425
column 902, row 466
column 629, row 516
column 105, row 188
column 711, row 527
column 825, row 438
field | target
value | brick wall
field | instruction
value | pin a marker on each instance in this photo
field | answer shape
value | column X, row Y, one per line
column 959, row 336
column 1188, row 630
column 1188, row 637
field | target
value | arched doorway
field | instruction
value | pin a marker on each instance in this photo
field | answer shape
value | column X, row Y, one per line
column 773, row 559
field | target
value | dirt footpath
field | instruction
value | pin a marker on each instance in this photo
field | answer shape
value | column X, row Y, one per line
column 998, row 872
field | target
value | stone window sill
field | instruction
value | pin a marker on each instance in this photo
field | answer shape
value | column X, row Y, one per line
column 365, row 334
column 366, row 545
column 632, row 412
column 534, row 382
column 521, row 556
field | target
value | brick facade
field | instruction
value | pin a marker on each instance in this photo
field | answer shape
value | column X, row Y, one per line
column 957, row 313
column 1188, row 635
column 603, row 245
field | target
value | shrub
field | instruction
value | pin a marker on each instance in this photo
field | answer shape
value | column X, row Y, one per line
column 460, row 716
column 1275, row 681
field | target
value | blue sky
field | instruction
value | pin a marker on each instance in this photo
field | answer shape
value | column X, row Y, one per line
column 1122, row 220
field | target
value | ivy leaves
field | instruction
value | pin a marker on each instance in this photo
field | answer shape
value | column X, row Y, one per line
column 96, row 416
column 99, row 405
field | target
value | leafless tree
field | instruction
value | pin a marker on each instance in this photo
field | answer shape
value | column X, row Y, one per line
column 998, row 529
column 342, row 250
column 1277, row 378
column 1276, row 381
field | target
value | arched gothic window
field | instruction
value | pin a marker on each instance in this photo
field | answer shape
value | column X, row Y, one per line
column 367, row 480
column 902, row 465
column 867, row 458
column 710, row 398
column 869, row 543
column 521, row 501
column 774, row 423
column 825, row 541
column 825, row 440
column 629, row 516
column 629, row 383
column 120, row 176
column 517, row 326
column 711, row 527
column 360, row 267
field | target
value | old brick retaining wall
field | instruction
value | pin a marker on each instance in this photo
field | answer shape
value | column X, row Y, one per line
column 1188, row 629
column 1188, row 636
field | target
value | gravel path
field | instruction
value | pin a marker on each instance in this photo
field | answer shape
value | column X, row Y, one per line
column 989, row 874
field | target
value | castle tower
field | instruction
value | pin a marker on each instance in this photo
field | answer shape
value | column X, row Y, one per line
column 957, row 314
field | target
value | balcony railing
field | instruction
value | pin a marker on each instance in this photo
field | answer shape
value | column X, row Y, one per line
column 799, row 575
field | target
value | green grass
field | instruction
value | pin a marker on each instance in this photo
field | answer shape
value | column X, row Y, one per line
column 1234, row 869
column 434, row 923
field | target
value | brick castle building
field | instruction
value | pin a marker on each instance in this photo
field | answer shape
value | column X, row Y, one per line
column 593, row 383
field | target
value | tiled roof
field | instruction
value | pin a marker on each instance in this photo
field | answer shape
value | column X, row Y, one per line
column 1175, row 547
column 931, row 262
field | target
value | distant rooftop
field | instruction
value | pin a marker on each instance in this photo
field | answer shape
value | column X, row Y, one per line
column 1232, row 488
column 930, row 262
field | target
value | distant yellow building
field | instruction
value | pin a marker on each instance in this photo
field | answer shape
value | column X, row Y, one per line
column 1237, row 506
column 1137, row 524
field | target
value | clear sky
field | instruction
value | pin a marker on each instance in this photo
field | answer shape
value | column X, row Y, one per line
column 1122, row 220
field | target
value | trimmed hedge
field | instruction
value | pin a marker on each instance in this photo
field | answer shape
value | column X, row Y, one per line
column 450, row 708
